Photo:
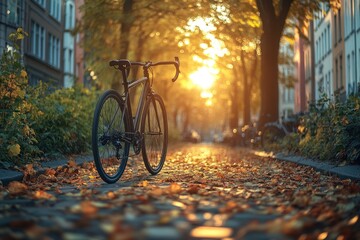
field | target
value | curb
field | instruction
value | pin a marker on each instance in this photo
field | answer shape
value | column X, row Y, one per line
column 344, row 172
column 7, row 176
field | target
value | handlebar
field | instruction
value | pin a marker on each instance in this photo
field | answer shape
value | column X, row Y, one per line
column 124, row 64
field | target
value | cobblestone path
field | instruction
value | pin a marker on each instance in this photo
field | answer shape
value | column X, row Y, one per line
column 203, row 192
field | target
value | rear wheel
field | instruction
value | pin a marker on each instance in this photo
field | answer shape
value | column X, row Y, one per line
column 154, row 129
column 110, row 143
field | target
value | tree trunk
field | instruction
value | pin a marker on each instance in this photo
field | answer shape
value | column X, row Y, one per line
column 246, row 91
column 234, row 113
column 273, row 22
column 126, row 24
column 269, row 78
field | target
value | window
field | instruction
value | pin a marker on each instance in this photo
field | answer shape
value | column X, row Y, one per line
column 317, row 51
column 70, row 16
column 348, row 71
column 336, row 74
column 335, row 28
column 321, row 45
column 352, row 16
column 41, row 2
column 55, row 9
column 353, row 67
column 339, row 20
column 358, row 15
column 54, row 51
column 321, row 86
column 359, row 66
column 329, row 38
column 325, row 41
column 13, row 11
column 341, row 71
column 69, row 61
column 37, row 40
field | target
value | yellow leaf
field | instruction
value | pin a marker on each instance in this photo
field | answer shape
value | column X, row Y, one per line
column 144, row 183
column 353, row 220
column 23, row 74
column 14, row 150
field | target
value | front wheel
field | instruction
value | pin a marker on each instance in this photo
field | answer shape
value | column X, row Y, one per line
column 110, row 142
column 154, row 129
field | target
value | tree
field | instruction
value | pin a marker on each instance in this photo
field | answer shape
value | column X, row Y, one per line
column 273, row 20
column 239, row 27
column 274, row 15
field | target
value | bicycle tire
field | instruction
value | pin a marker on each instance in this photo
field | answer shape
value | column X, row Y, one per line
column 154, row 129
column 271, row 135
column 110, row 125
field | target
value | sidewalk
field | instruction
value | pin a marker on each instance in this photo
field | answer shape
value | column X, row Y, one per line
column 349, row 171
column 7, row 176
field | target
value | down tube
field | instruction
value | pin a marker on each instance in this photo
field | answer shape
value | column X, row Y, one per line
column 141, row 104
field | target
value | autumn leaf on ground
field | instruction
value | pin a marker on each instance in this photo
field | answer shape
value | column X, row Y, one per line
column 50, row 172
column 174, row 188
column 72, row 163
column 40, row 194
column 17, row 188
column 193, row 188
column 29, row 171
column 143, row 183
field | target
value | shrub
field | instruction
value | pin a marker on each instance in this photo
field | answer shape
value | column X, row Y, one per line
column 17, row 137
column 333, row 131
column 64, row 125
column 34, row 122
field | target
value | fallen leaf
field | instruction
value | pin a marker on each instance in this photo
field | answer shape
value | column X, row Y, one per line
column 88, row 208
column 353, row 220
column 193, row 189
column 16, row 188
column 40, row 194
column 174, row 188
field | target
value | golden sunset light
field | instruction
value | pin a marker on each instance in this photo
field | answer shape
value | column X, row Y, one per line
column 204, row 77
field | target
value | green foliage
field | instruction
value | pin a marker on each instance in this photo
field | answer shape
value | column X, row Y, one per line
column 333, row 131
column 63, row 124
column 33, row 121
column 17, row 137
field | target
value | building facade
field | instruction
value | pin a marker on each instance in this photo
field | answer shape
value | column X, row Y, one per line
column 11, row 17
column 332, row 53
column 323, row 53
column 337, row 27
column 352, row 45
column 286, row 73
column 49, row 51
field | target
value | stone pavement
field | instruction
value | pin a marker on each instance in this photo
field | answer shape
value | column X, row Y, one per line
column 348, row 171
column 203, row 192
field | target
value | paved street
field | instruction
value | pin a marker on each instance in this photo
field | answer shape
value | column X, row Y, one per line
column 203, row 192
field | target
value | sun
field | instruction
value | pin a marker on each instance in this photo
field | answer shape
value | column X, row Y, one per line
column 203, row 77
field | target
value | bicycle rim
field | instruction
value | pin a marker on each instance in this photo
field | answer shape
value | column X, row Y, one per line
column 155, row 134
column 109, row 127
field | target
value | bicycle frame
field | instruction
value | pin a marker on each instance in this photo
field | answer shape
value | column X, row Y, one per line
column 124, row 66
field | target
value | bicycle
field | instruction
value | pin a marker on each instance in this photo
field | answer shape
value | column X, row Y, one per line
column 115, row 129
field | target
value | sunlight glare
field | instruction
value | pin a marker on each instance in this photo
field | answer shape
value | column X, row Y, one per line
column 204, row 77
